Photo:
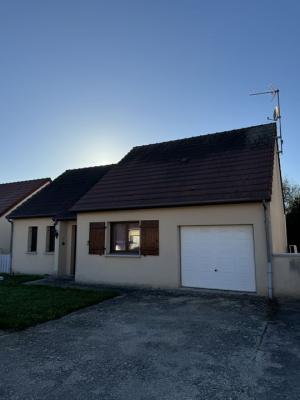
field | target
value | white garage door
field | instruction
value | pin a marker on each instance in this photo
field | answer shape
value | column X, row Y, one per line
column 218, row 257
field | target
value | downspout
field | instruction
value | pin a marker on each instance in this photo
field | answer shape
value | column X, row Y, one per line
column 269, row 252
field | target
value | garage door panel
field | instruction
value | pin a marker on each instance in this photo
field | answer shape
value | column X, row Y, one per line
column 218, row 257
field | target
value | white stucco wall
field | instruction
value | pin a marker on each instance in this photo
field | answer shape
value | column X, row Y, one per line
column 5, row 233
column 40, row 262
column 286, row 275
column 277, row 216
column 164, row 270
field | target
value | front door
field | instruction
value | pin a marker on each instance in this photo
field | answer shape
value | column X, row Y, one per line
column 73, row 249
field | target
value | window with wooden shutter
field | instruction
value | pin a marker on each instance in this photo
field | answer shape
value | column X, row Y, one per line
column 150, row 238
column 125, row 237
column 97, row 238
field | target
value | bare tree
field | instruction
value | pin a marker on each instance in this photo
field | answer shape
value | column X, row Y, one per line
column 291, row 194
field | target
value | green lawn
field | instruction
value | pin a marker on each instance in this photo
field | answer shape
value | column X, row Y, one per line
column 22, row 306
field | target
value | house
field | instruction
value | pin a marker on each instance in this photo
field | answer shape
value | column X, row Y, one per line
column 13, row 194
column 44, row 239
column 205, row 211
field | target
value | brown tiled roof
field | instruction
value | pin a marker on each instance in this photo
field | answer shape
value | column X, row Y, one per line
column 56, row 199
column 13, row 193
column 228, row 167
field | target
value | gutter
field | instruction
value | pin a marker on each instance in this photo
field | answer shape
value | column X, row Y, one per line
column 269, row 252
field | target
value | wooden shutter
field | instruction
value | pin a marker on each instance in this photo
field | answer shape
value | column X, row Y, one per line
column 97, row 238
column 149, row 238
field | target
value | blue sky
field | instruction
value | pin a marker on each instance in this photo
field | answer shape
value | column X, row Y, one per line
column 84, row 81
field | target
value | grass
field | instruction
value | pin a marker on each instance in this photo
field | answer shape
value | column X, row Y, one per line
column 12, row 280
column 22, row 306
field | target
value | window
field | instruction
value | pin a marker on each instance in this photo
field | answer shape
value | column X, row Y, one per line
column 50, row 239
column 32, row 238
column 125, row 237
column 134, row 237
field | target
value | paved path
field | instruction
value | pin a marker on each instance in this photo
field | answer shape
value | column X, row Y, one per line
column 155, row 346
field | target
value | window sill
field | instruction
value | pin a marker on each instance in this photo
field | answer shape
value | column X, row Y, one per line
column 49, row 253
column 123, row 255
column 31, row 252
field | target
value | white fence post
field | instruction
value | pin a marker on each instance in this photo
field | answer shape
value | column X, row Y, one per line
column 5, row 263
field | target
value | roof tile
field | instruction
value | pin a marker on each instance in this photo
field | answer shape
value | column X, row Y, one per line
column 13, row 193
column 56, row 199
column 233, row 166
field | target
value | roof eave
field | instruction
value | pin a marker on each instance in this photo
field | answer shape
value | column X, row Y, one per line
column 73, row 218
column 172, row 205
column 30, row 216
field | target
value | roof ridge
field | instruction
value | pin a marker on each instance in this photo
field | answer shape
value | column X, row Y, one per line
column 206, row 134
column 26, row 180
column 94, row 166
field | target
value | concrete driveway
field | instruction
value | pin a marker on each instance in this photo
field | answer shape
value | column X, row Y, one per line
column 155, row 345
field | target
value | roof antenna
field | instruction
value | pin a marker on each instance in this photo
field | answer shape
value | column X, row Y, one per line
column 276, row 113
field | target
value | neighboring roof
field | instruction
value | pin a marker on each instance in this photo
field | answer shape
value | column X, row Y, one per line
column 11, row 194
column 56, row 199
column 228, row 167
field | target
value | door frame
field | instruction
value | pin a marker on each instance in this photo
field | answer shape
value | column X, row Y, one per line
column 73, row 250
